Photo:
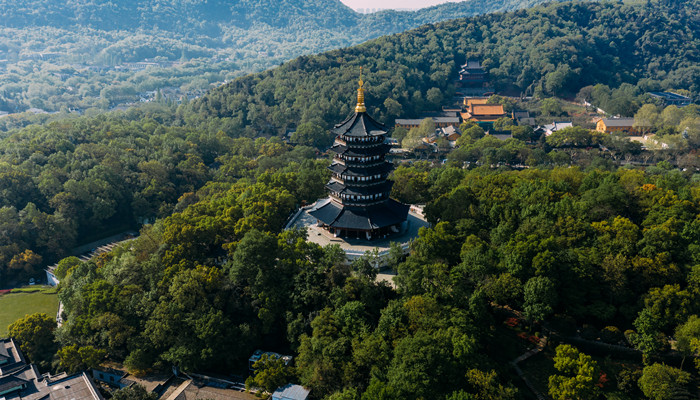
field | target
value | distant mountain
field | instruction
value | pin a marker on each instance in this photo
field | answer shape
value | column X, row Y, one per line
column 172, row 15
column 193, row 43
column 209, row 16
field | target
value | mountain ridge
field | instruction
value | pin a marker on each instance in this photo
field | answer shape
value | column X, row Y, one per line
column 206, row 14
column 552, row 50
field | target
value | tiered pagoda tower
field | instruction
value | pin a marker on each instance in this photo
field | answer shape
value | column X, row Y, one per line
column 359, row 205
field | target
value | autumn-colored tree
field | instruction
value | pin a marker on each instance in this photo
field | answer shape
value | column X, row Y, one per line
column 26, row 263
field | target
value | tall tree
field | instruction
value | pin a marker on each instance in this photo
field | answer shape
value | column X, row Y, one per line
column 35, row 333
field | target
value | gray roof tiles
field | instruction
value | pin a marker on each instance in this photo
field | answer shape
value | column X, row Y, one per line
column 618, row 121
column 358, row 125
column 41, row 387
column 290, row 392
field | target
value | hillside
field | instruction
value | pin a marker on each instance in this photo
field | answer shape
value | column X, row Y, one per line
column 82, row 174
column 589, row 248
column 175, row 16
column 205, row 17
column 548, row 50
column 82, row 55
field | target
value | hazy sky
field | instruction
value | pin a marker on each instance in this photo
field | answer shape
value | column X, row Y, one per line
column 355, row 4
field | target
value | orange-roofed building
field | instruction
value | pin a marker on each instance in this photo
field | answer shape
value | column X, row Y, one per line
column 484, row 113
column 469, row 101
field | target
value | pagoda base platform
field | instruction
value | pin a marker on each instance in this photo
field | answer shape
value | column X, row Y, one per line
column 355, row 248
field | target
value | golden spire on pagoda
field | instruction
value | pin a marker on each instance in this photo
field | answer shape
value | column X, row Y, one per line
column 361, row 96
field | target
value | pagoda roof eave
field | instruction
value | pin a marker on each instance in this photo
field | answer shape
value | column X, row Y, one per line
column 360, row 151
column 384, row 168
column 360, row 190
column 360, row 124
column 369, row 218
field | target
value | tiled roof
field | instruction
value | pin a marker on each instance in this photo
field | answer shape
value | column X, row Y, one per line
column 669, row 96
column 360, row 151
column 11, row 383
column 383, row 168
column 41, row 387
column 487, row 109
column 476, row 100
column 360, row 124
column 360, row 218
column 619, row 122
column 290, row 392
column 405, row 121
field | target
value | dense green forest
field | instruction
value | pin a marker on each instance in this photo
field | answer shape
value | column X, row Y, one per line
column 204, row 287
column 212, row 17
column 78, row 55
column 64, row 181
column 575, row 242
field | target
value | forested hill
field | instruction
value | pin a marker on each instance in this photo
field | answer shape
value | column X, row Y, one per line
column 555, row 50
column 206, row 16
column 175, row 15
column 197, row 42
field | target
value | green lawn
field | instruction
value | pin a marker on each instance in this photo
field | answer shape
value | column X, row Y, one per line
column 29, row 300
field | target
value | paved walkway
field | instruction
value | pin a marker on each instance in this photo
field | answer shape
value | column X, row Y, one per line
column 108, row 241
column 538, row 349
column 540, row 346
column 59, row 318
column 96, row 248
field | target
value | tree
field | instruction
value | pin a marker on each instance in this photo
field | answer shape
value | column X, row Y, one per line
column 310, row 134
column 540, row 297
column 134, row 392
column 523, row 132
column 648, row 338
column 421, row 363
column 485, row 385
column 35, row 335
column 474, row 132
column 503, row 123
column 270, row 373
column 646, row 118
column 75, row 358
column 688, row 339
column 661, row 382
column 415, row 136
column 393, row 108
column 399, row 133
column 555, row 82
column 572, row 136
column 671, row 116
column 64, row 267
column 579, row 375
column 434, row 97
column 507, row 103
column 466, row 124
column 627, row 382
column 24, row 264
column 396, row 255
column 551, row 107
column 504, row 289
column 411, row 185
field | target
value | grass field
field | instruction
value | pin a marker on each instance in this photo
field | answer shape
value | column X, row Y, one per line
column 16, row 305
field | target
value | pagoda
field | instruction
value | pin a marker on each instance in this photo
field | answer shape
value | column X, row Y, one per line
column 359, row 205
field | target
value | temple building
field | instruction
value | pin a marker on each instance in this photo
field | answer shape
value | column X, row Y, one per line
column 472, row 74
column 359, row 205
